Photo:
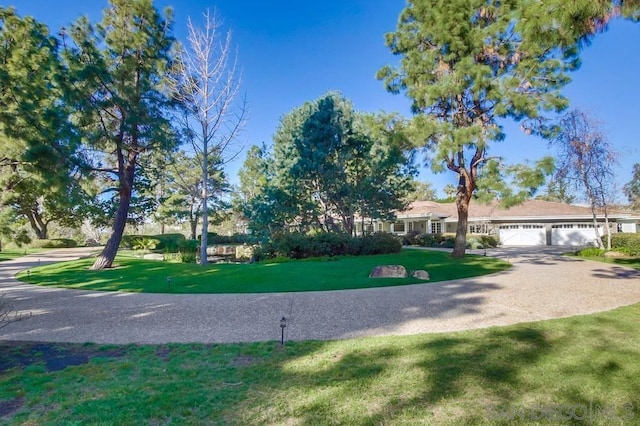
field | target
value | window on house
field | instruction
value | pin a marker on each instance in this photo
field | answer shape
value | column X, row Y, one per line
column 379, row 227
column 409, row 226
column 478, row 229
column 436, row 227
column 398, row 227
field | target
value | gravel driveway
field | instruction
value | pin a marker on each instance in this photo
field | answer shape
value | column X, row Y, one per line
column 540, row 285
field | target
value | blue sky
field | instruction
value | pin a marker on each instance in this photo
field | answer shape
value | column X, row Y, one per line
column 294, row 51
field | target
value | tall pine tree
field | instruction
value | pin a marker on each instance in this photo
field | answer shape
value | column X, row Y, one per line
column 121, row 67
column 465, row 65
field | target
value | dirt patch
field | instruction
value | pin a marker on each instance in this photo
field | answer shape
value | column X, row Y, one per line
column 243, row 361
column 164, row 352
column 53, row 356
column 10, row 406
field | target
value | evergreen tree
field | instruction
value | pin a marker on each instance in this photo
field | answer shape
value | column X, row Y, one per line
column 120, row 67
column 465, row 64
column 329, row 164
column 39, row 162
column 632, row 188
column 184, row 193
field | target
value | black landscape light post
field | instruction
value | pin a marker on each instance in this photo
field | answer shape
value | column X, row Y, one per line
column 169, row 283
column 283, row 324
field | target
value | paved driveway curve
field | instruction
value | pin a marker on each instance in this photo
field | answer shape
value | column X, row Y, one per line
column 540, row 285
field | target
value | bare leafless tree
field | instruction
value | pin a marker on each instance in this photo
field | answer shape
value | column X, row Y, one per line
column 587, row 160
column 208, row 89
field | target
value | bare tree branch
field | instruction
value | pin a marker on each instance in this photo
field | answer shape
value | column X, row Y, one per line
column 207, row 87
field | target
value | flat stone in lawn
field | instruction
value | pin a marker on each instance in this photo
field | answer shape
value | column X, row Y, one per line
column 421, row 275
column 388, row 271
column 153, row 256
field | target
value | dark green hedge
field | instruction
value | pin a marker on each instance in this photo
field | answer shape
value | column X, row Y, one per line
column 300, row 246
column 54, row 243
column 167, row 242
column 474, row 241
column 213, row 238
column 626, row 243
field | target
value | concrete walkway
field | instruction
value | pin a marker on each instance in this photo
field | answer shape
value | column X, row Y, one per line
column 541, row 285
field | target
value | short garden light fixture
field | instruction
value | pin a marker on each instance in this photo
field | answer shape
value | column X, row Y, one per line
column 169, row 282
column 283, row 324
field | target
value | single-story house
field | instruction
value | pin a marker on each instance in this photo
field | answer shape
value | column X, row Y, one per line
column 534, row 222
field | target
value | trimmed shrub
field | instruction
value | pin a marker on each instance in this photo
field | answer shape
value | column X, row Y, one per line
column 429, row 240
column 170, row 242
column 295, row 245
column 139, row 242
column 591, row 252
column 187, row 256
column 474, row 243
column 488, row 240
column 213, row 238
column 380, row 243
column 626, row 243
column 190, row 246
column 411, row 238
column 167, row 242
column 54, row 243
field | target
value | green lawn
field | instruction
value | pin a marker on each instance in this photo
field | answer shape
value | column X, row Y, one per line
column 137, row 275
column 9, row 254
column 580, row 370
column 630, row 262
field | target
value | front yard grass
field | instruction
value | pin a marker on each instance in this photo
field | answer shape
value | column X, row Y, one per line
column 629, row 262
column 138, row 275
column 13, row 253
column 576, row 370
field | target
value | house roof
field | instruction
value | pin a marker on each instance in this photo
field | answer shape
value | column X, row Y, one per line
column 530, row 209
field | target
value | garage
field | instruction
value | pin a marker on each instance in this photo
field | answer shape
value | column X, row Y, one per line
column 523, row 235
column 573, row 234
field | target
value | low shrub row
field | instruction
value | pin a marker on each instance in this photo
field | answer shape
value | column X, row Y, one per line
column 168, row 242
column 590, row 252
column 626, row 243
column 54, row 243
column 300, row 246
column 213, row 238
column 474, row 241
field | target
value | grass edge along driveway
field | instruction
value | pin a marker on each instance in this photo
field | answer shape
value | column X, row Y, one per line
column 138, row 275
column 582, row 369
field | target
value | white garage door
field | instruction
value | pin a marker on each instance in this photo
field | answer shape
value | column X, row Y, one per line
column 573, row 234
column 522, row 235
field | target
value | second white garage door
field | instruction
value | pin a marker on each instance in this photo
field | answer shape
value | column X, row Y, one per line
column 523, row 235
column 573, row 234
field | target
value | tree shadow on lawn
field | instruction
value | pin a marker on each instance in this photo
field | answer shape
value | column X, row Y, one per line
column 484, row 377
column 381, row 383
column 524, row 374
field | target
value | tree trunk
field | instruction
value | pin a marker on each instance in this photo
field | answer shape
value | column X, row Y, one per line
column 193, row 229
column 463, row 197
column 38, row 226
column 348, row 224
column 105, row 259
column 205, row 204
column 460, row 247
